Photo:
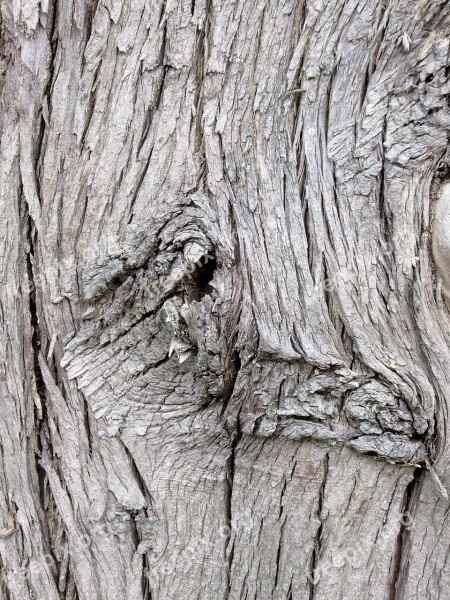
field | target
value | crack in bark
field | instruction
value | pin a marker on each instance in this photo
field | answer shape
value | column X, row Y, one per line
column 228, row 509
column 314, row 577
column 403, row 534
column 147, row 591
column 43, row 442
column 230, row 476
column 45, row 114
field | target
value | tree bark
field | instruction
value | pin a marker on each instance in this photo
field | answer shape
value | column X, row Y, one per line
column 224, row 261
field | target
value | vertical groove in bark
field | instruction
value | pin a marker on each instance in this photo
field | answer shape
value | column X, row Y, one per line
column 318, row 541
column 406, row 518
column 42, row 444
column 229, row 517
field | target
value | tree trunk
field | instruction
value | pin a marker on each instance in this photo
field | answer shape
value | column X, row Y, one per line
column 224, row 261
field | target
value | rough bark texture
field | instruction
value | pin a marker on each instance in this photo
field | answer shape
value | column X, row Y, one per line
column 224, row 262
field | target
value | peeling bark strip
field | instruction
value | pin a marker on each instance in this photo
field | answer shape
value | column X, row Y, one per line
column 225, row 349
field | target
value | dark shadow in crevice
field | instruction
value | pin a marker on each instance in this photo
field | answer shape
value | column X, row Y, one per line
column 198, row 283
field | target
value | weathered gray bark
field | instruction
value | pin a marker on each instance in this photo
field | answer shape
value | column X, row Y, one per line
column 225, row 348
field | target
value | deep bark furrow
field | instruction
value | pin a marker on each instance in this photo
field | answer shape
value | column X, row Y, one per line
column 403, row 533
column 318, row 541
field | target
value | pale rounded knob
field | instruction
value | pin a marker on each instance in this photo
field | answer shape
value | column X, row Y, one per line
column 441, row 240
